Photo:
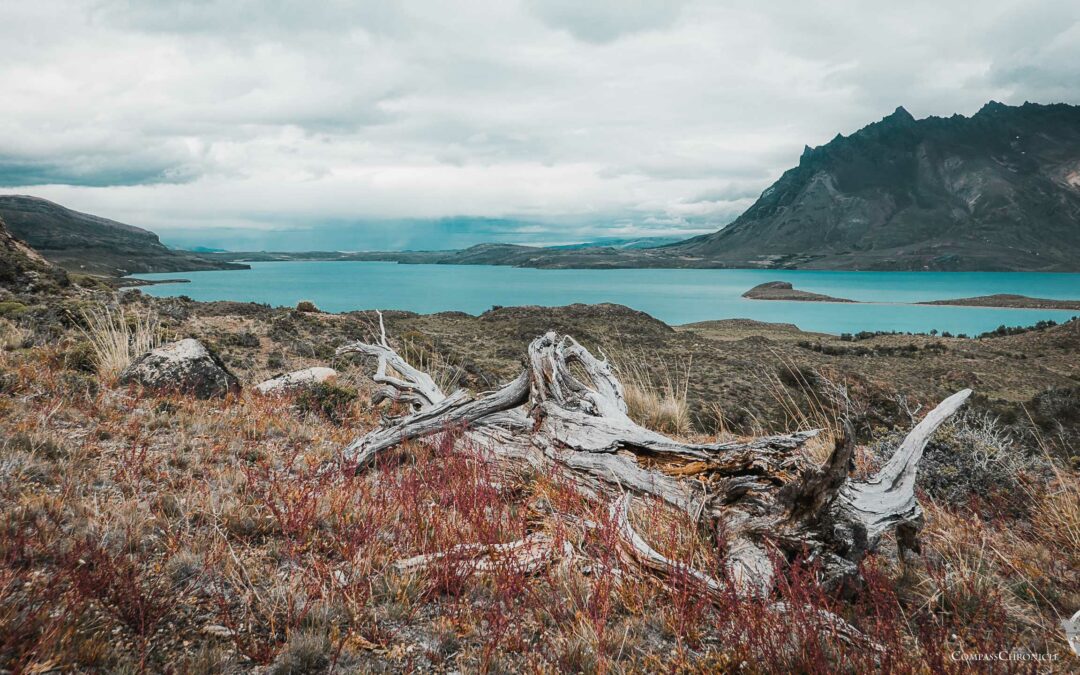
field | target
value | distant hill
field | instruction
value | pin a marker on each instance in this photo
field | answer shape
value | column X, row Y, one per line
column 23, row 268
column 623, row 243
column 90, row 244
column 997, row 191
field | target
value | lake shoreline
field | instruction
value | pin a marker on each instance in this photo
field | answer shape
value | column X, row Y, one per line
column 883, row 301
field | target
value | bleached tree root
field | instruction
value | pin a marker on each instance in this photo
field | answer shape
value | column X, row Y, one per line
column 527, row 555
column 639, row 552
column 770, row 500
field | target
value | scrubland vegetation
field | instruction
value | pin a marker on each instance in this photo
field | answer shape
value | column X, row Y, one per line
column 144, row 532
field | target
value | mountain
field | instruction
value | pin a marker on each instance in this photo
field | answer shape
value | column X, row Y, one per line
column 22, row 267
column 999, row 190
column 80, row 242
column 620, row 243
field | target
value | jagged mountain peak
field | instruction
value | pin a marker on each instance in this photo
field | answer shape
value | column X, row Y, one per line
column 997, row 190
column 900, row 115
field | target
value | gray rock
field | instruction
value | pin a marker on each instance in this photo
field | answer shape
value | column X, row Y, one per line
column 295, row 380
column 185, row 366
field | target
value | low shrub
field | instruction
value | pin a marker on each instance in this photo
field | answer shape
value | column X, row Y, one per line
column 327, row 400
column 11, row 308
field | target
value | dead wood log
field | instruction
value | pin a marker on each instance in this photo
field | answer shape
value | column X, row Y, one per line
column 888, row 497
column 409, row 385
column 772, row 502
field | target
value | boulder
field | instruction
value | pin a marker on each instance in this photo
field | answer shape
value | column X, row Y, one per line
column 185, row 366
column 295, row 380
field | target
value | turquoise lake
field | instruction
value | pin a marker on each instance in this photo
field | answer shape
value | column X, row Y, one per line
column 671, row 295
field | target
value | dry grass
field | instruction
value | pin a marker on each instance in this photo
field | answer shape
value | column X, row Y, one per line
column 657, row 397
column 419, row 353
column 795, row 392
column 165, row 533
column 1056, row 517
column 13, row 336
column 117, row 338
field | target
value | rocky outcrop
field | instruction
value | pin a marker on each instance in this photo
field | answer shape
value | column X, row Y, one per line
column 186, row 367
column 22, row 268
column 783, row 290
column 295, row 380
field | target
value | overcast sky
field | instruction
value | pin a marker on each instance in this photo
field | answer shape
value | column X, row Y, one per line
column 423, row 124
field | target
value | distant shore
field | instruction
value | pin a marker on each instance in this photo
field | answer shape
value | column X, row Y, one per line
column 1008, row 301
column 783, row 290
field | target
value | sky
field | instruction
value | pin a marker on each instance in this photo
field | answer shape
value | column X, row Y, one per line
column 291, row 125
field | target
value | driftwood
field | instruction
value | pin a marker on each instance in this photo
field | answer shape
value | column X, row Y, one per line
column 566, row 412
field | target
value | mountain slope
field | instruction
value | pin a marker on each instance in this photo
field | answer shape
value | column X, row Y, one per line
column 21, row 267
column 86, row 243
column 997, row 191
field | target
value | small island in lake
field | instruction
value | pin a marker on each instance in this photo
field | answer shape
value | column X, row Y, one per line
column 783, row 290
column 1008, row 300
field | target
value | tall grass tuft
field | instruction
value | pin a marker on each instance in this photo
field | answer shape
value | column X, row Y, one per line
column 118, row 339
column 812, row 410
column 658, row 401
column 13, row 336
column 1056, row 518
column 421, row 354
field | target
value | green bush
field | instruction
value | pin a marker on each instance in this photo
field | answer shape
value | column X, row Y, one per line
column 275, row 360
column 306, row 306
column 80, row 357
column 327, row 400
column 11, row 308
column 241, row 339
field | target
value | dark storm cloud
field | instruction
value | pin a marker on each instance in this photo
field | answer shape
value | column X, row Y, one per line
column 22, row 173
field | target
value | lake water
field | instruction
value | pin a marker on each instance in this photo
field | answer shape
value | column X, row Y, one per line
column 675, row 296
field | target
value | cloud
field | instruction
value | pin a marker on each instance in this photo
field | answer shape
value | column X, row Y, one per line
column 361, row 121
column 607, row 20
column 89, row 171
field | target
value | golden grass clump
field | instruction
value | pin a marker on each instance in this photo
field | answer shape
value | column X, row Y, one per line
column 13, row 336
column 117, row 338
column 1056, row 516
column 657, row 400
column 421, row 354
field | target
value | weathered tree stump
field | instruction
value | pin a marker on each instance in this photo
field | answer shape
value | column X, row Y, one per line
column 773, row 503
